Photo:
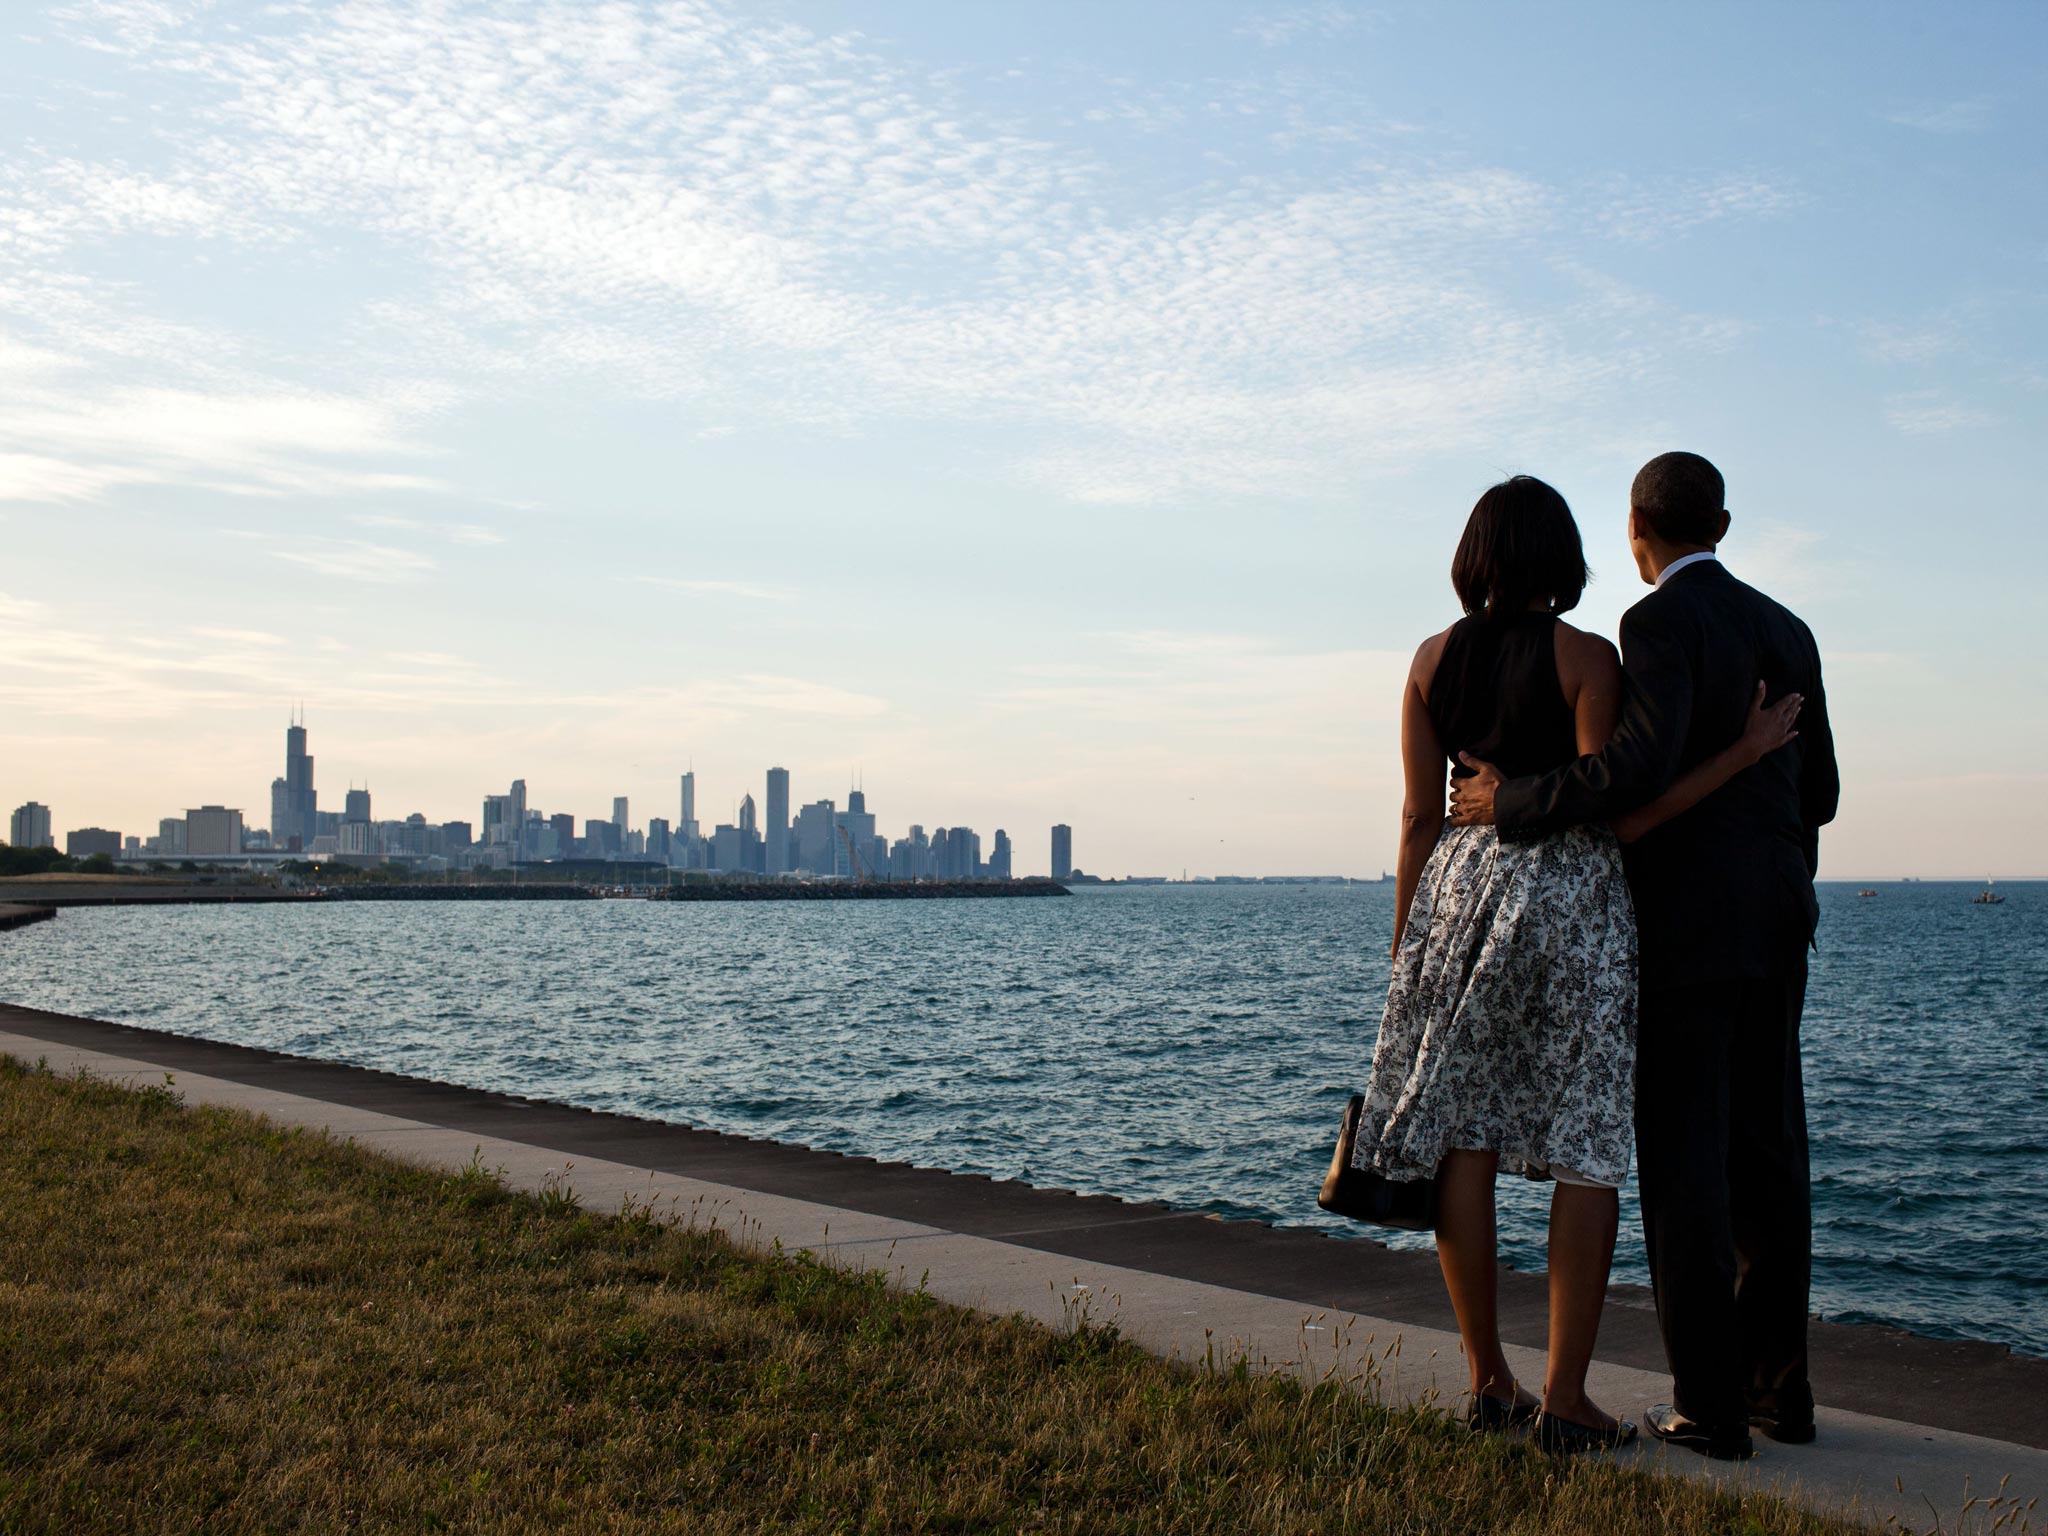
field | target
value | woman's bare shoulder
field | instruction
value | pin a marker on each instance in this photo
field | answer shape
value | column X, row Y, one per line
column 1580, row 653
column 1427, row 656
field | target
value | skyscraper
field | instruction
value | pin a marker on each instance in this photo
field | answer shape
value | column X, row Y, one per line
column 499, row 827
column 686, row 823
column 356, row 807
column 620, row 815
column 29, row 827
column 999, row 860
column 1062, row 852
column 293, row 804
column 778, row 821
column 217, row 829
column 814, row 837
column 87, row 841
column 853, row 836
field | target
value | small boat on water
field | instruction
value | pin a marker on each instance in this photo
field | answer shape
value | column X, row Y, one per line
column 1987, row 897
column 1866, row 893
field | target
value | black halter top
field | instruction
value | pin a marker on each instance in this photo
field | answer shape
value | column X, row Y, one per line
column 1496, row 695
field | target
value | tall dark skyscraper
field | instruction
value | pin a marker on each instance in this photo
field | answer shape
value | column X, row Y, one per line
column 1062, row 851
column 777, row 830
column 293, row 806
column 999, row 859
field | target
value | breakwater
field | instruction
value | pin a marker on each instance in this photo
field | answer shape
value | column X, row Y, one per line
column 554, row 890
column 704, row 890
column 149, row 893
column 873, row 890
column 13, row 915
column 134, row 893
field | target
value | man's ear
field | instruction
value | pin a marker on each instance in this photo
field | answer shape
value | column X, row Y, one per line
column 1722, row 532
column 1635, row 524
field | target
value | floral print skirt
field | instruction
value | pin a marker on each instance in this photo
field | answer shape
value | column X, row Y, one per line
column 1511, row 1020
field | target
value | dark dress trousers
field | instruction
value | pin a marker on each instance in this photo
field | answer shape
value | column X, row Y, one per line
column 1725, row 909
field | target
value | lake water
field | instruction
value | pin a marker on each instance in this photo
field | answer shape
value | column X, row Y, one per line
column 1192, row 1045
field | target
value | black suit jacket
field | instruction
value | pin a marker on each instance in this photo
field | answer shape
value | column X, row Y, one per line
column 1725, row 890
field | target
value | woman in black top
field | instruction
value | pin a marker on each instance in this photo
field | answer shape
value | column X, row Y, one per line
column 1509, row 1035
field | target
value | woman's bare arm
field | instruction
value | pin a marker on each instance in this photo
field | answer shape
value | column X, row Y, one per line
column 1589, row 672
column 1766, row 731
column 1423, row 768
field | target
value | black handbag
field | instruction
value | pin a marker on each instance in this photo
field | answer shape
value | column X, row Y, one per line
column 1363, row 1195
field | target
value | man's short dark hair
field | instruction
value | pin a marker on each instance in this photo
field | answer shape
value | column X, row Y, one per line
column 1680, row 497
column 1520, row 548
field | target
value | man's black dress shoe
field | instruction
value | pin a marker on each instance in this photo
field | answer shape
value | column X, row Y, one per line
column 1784, row 1414
column 1666, row 1423
column 1786, row 1429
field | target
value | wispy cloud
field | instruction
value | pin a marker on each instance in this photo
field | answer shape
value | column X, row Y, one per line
column 1971, row 115
column 1219, row 681
column 356, row 559
column 1282, row 25
column 1648, row 212
column 680, row 203
column 91, row 434
column 709, row 587
column 454, row 533
column 1931, row 413
column 66, row 665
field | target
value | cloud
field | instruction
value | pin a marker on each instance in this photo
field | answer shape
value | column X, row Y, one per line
column 241, row 636
column 1931, row 413
column 1790, row 561
column 355, row 559
column 708, row 587
column 1288, row 24
column 1972, row 115
column 1247, row 685
column 678, row 203
column 454, row 533
column 90, row 434
column 1652, row 211
column 64, row 666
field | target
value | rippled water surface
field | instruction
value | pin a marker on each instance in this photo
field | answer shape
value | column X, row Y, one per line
column 1193, row 1045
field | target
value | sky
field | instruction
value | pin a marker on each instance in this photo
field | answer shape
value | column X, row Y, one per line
column 1048, row 413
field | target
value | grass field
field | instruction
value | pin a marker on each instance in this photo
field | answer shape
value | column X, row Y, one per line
column 208, row 1323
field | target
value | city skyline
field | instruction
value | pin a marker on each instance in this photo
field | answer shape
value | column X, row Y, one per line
column 823, row 841
column 1063, row 414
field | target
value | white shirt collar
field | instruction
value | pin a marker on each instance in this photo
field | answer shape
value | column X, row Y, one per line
column 1681, row 563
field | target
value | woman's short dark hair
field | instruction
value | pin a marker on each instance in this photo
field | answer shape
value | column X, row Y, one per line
column 1520, row 548
column 1681, row 497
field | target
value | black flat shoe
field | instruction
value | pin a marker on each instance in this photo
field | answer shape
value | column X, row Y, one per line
column 1496, row 1416
column 1666, row 1423
column 1562, row 1437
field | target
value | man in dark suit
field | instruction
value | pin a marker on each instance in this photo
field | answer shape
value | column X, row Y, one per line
column 1725, row 908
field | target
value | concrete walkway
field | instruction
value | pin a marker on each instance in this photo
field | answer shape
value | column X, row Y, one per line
column 1871, row 1466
